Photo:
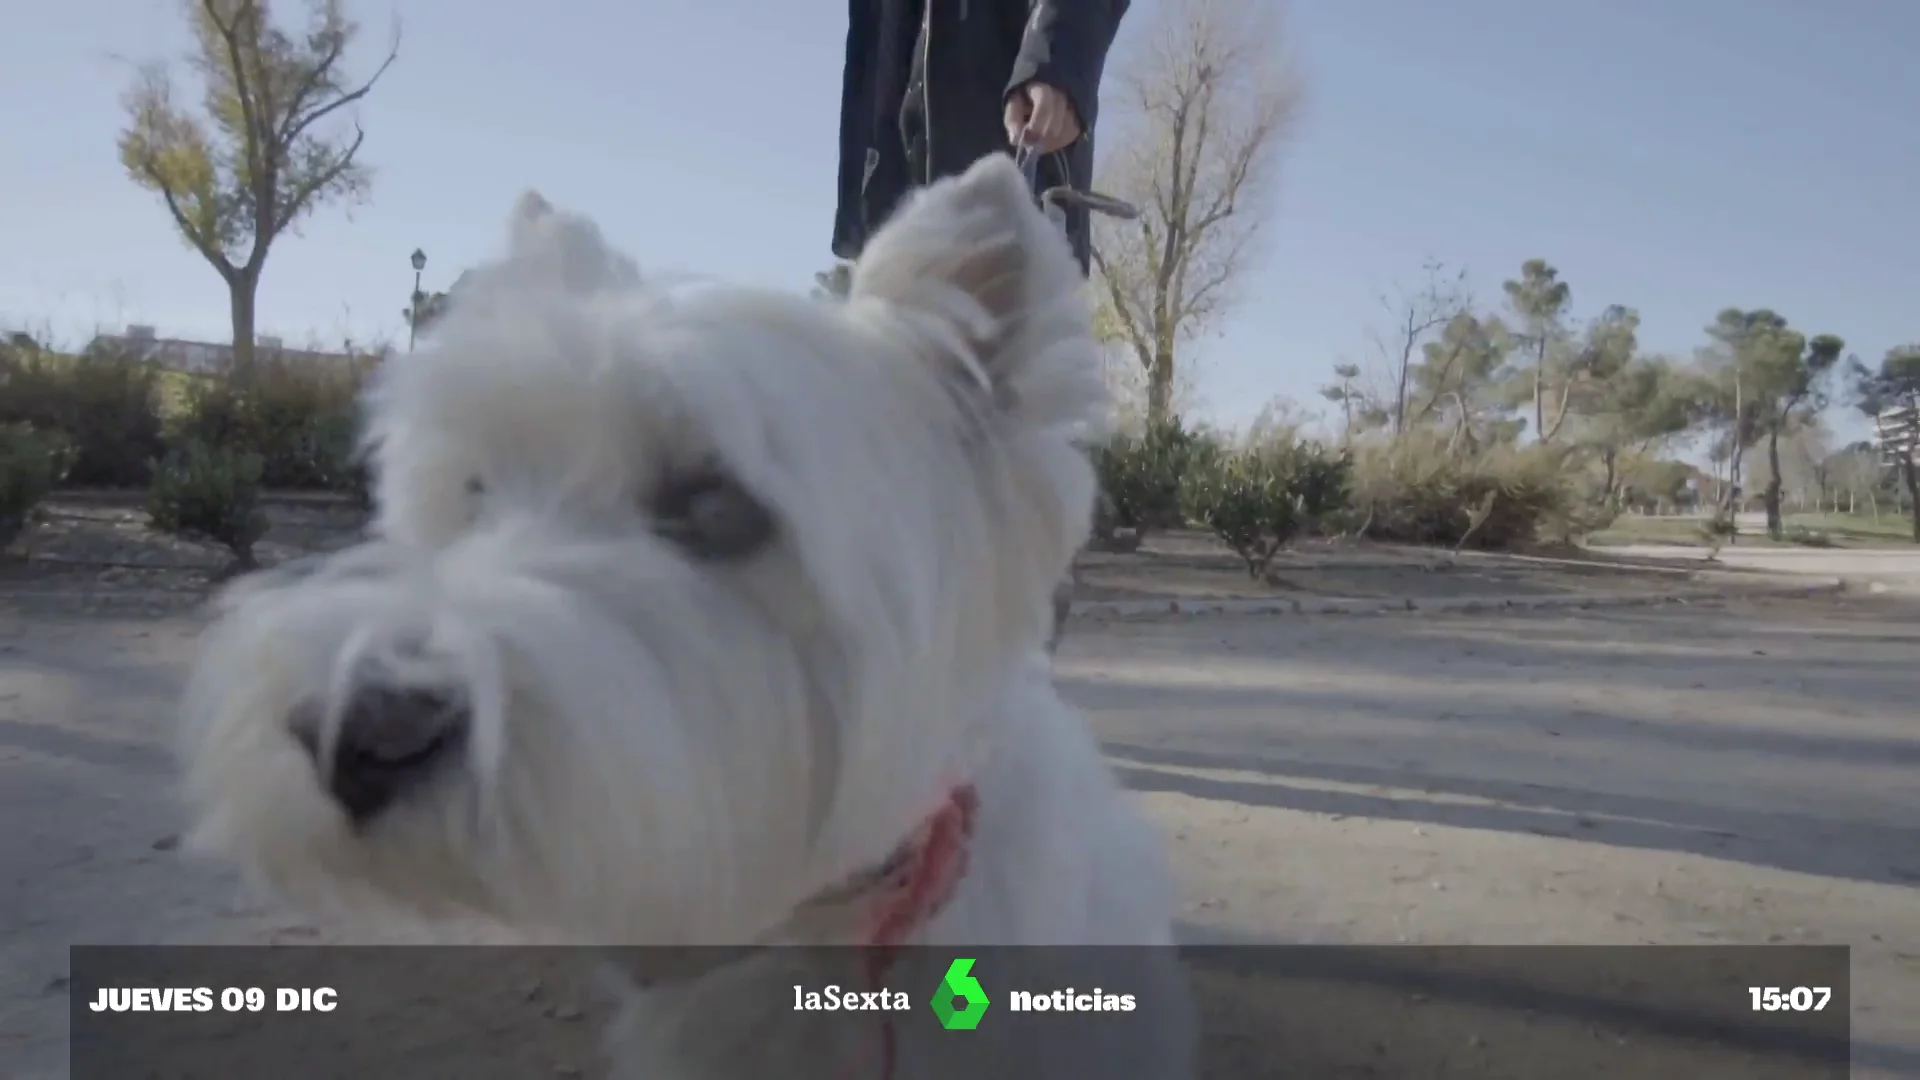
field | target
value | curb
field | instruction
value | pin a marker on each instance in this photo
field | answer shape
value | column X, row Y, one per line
column 123, row 498
column 1179, row 606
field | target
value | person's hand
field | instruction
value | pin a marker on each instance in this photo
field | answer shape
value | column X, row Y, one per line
column 1040, row 118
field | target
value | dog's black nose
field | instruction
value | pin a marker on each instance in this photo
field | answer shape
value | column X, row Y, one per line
column 390, row 740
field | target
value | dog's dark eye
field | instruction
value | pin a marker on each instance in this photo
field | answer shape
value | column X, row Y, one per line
column 711, row 516
column 476, row 486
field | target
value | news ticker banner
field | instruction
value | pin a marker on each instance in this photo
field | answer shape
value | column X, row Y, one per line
column 1570, row 1012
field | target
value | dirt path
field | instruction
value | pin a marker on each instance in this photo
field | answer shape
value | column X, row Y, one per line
column 1695, row 775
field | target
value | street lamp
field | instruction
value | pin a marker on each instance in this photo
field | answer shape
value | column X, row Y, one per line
column 419, row 260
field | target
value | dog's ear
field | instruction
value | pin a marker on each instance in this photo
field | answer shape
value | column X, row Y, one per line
column 973, row 259
column 549, row 252
column 551, row 248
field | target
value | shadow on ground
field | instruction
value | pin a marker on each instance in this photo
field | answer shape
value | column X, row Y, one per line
column 1788, row 745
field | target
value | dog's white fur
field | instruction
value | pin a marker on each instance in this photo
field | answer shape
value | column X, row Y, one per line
column 670, row 751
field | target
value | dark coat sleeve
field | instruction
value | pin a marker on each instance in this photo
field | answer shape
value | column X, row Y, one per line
column 856, row 109
column 1065, row 46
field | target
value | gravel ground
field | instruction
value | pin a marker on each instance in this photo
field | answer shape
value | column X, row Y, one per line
column 1195, row 566
column 100, row 542
column 1703, row 774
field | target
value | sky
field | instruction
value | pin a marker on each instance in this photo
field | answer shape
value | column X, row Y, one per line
column 1675, row 156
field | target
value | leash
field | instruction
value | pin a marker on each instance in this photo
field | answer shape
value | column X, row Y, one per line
column 915, row 883
column 1028, row 162
column 1056, row 200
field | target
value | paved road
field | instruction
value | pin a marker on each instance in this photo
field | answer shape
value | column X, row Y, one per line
column 1897, row 568
column 1680, row 775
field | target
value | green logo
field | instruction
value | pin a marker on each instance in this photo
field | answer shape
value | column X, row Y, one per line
column 959, row 1003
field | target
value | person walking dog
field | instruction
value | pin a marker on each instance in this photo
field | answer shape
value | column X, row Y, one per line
column 932, row 86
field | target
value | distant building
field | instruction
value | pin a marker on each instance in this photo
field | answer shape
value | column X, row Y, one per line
column 1895, row 431
column 196, row 357
column 19, row 339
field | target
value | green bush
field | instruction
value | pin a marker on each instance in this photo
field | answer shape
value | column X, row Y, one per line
column 1418, row 490
column 1140, row 475
column 1322, row 482
column 103, row 401
column 300, row 415
column 31, row 463
column 1719, row 530
column 1243, row 499
column 206, row 492
column 1258, row 499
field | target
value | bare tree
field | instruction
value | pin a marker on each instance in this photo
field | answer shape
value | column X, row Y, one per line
column 266, row 152
column 1809, row 462
column 1857, row 473
column 1200, row 115
column 1127, row 384
column 1418, row 316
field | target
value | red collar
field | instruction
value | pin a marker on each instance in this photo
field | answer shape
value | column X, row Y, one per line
column 922, row 874
column 900, row 897
column 909, row 889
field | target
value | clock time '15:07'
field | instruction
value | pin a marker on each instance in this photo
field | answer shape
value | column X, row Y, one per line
column 1790, row 999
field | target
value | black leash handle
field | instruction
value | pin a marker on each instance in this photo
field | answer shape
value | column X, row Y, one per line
column 1055, row 201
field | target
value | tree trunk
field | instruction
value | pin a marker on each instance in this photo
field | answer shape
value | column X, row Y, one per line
column 1736, row 451
column 241, row 290
column 1539, row 405
column 1160, row 388
column 1771, row 496
column 1910, row 472
column 1400, row 397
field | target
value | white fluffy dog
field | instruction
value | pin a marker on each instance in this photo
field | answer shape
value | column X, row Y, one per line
column 713, row 616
